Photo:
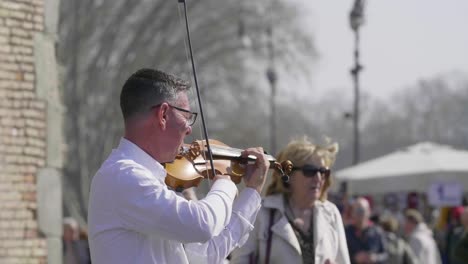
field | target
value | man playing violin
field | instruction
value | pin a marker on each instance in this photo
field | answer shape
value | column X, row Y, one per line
column 134, row 217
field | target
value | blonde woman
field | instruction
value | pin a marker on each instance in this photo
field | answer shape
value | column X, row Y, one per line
column 296, row 223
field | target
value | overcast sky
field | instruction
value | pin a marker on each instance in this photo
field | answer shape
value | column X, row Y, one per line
column 401, row 42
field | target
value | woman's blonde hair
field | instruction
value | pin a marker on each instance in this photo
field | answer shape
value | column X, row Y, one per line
column 299, row 151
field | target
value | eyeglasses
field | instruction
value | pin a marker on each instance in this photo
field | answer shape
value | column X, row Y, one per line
column 190, row 119
column 310, row 170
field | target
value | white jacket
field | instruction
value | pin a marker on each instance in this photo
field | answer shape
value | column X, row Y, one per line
column 329, row 236
column 424, row 246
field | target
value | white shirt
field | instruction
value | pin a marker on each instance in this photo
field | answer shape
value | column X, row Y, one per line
column 424, row 246
column 134, row 218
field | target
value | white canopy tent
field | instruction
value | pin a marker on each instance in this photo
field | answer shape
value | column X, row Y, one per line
column 413, row 168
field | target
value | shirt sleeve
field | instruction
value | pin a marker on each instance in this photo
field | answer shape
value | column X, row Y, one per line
column 147, row 206
column 248, row 252
column 235, row 234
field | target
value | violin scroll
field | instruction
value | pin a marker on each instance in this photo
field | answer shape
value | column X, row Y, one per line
column 285, row 168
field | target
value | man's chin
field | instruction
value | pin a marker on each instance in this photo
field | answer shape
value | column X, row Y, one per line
column 168, row 160
column 171, row 158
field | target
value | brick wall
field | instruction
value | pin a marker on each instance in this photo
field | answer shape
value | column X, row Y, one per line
column 22, row 133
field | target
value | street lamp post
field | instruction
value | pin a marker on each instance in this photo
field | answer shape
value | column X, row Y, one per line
column 272, row 78
column 356, row 19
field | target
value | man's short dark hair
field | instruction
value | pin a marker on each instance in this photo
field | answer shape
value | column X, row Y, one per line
column 146, row 88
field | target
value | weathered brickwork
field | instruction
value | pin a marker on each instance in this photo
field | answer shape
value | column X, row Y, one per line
column 22, row 133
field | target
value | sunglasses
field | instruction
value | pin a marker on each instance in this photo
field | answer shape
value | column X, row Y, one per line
column 310, row 170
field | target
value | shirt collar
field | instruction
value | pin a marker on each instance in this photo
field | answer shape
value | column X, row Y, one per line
column 140, row 156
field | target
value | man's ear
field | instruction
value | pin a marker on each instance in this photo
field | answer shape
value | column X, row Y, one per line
column 162, row 115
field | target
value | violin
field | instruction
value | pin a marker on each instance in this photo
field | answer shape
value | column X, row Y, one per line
column 192, row 164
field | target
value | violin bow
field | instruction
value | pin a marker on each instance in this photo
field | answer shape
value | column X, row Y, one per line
column 205, row 132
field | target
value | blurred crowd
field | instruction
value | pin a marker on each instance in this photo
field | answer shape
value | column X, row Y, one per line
column 405, row 236
column 298, row 224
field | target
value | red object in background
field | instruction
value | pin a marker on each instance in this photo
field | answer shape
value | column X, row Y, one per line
column 370, row 200
column 456, row 212
column 412, row 200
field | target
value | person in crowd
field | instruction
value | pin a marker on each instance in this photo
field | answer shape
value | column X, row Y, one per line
column 134, row 217
column 392, row 209
column 296, row 223
column 366, row 241
column 420, row 238
column 75, row 245
column 459, row 251
column 452, row 234
column 347, row 211
column 438, row 224
column 399, row 252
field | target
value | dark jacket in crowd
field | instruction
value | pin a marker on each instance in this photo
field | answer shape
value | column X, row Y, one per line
column 452, row 240
column 460, row 251
column 370, row 240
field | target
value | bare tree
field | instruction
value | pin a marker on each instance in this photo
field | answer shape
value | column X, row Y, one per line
column 103, row 41
column 433, row 109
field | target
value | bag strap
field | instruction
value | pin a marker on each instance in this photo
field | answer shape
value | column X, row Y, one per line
column 268, row 249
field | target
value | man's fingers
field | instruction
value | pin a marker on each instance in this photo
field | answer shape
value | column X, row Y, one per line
column 255, row 174
column 258, row 153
